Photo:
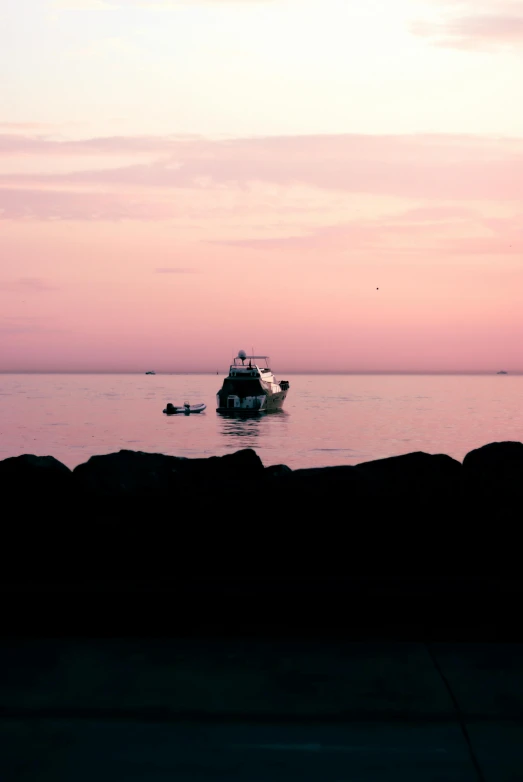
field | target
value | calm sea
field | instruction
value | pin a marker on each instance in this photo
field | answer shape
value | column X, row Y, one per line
column 328, row 419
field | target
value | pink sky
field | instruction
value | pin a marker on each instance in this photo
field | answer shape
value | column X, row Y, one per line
column 161, row 214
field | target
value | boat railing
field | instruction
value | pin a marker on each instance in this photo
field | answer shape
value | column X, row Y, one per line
column 243, row 372
column 239, row 361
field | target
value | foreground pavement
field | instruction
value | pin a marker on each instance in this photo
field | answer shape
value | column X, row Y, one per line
column 145, row 709
column 65, row 750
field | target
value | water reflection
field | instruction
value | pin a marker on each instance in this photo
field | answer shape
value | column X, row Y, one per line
column 247, row 424
column 238, row 425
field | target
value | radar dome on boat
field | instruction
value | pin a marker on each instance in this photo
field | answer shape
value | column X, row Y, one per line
column 242, row 354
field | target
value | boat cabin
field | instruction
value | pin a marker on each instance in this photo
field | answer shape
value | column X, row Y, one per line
column 250, row 385
column 243, row 368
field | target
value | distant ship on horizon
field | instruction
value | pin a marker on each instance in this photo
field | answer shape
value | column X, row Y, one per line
column 502, row 372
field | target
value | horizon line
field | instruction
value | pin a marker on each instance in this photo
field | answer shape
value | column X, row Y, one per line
column 280, row 373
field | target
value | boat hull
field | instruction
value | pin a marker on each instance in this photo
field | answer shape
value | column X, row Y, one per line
column 250, row 388
column 271, row 404
column 260, row 402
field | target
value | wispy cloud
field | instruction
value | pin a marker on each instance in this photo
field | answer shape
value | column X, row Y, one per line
column 174, row 270
column 474, row 32
column 108, row 5
column 25, row 126
column 435, row 214
column 11, row 325
column 472, row 25
column 441, row 232
column 27, row 284
column 30, row 144
column 44, row 204
column 351, row 236
column 81, row 5
column 418, row 166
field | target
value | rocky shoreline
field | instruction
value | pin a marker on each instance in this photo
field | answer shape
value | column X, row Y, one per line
column 159, row 543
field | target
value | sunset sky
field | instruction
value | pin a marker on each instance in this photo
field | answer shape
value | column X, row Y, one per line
column 179, row 180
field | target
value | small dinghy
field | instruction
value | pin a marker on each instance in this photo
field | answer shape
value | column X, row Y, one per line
column 186, row 408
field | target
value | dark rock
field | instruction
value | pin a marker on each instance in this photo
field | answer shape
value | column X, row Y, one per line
column 34, row 478
column 416, row 476
column 128, row 474
column 240, row 465
column 499, row 459
column 30, row 462
column 137, row 515
column 495, row 472
column 277, row 471
column 36, row 496
column 317, row 496
column 321, row 480
column 136, row 475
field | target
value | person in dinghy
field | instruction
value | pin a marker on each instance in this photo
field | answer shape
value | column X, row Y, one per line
column 186, row 408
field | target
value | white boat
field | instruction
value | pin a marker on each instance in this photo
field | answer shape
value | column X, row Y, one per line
column 251, row 387
column 186, row 408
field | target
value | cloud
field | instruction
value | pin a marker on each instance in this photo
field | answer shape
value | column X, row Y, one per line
column 9, row 329
column 174, row 270
column 25, row 126
column 108, row 5
column 27, row 284
column 351, row 236
column 451, row 167
column 45, row 204
column 14, row 144
column 475, row 25
column 443, row 232
column 435, row 214
column 474, row 32
column 192, row 177
column 81, row 5
column 18, row 144
column 11, row 325
column 355, row 235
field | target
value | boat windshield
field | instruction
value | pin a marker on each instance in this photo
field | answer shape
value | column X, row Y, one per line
column 250, row 361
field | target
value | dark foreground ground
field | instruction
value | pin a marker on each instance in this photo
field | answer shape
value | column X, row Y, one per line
column 319, row 609
column 166, row 619
column 325, row 681
column 75, row 710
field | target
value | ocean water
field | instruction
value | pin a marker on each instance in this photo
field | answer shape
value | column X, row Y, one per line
column 327, row 420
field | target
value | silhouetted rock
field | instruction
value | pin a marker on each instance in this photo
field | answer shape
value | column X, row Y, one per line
column 495, row 472
column 36, row 502
column 415, row 476
column 137, row 516
column 237, row 466
column 34, row 478
column 322, row 482
column 128, row 474
column 136, row 475
column 310, row 511
column 496, row 459
column 145, row 519
column 277, row 471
